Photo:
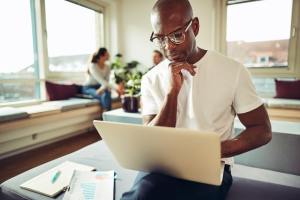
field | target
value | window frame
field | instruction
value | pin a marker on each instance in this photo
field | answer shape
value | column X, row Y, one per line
column 41, row 62
column 293, row 68
column 36, row 78
column 99, row 31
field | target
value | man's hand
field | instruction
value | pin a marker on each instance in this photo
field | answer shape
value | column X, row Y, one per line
column 176, row 75
column 100, row 90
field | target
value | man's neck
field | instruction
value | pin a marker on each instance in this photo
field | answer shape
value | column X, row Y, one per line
column 197, row 55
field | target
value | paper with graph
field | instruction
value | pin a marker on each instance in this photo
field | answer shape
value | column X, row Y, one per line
column 55, row 180
column 98, row 185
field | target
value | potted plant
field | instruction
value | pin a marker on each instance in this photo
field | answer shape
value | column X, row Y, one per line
column 129, row 77
column 130, row 101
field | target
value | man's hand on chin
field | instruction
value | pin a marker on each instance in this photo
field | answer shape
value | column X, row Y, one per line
column 176, row 75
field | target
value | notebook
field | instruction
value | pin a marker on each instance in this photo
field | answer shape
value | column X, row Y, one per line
column 97, row 185
column 55, row 180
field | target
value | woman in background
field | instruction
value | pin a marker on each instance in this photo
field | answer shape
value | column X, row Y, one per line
column 97, row 84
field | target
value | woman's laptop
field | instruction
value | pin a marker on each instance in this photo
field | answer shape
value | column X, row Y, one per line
column 182, row 153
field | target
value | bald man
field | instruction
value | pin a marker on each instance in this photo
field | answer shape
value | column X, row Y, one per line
column 197, row 89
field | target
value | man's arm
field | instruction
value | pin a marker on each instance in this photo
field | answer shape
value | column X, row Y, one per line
column 257, row 133
column 167, row 114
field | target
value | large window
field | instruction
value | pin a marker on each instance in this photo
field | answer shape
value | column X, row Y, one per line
column 71, row 35
column 258, row 32
column 18, row 79
column 41, row 40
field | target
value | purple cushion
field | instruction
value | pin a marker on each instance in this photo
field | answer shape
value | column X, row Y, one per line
column 287, row 89
column 57, row 91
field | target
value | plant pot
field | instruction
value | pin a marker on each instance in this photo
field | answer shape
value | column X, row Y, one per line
column 130, row 104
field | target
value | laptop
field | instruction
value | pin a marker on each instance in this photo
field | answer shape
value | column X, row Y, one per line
column 178, row 152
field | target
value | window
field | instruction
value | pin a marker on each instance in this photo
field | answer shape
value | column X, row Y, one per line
column 45, row 40
column 18, row 71
column 71, row 35
column 258, row 32
column 41, row 40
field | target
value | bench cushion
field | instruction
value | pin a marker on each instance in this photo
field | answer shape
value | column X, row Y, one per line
column 10, row 113
column 72, row 103
column 41, row 110
column 282, row 103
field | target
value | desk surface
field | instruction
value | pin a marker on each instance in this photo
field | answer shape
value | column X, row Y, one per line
column 96, row 155
column 119, row 115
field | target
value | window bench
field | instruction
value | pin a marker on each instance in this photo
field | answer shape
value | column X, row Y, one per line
column 283, row 109
column 28, row 127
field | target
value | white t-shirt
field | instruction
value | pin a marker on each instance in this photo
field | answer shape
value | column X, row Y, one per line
column 208, row 101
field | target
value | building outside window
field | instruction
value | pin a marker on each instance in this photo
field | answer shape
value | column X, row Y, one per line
column 258, row 32
column 18, row 74
column 71, row 35
column 262, row 35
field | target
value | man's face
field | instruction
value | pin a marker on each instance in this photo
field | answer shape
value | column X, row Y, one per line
column 156, row 58
column 165, row 23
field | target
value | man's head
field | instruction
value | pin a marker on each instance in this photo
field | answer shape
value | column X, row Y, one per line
column 157, row 57
column 174, row 19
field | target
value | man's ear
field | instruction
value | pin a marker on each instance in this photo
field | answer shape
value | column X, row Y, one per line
column 196, row 26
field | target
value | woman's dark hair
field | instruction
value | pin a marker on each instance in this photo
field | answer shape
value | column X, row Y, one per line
column 101, row 52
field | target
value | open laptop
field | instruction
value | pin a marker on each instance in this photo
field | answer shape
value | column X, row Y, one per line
column 182, row 153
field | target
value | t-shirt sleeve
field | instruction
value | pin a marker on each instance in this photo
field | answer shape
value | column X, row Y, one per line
column 245, row 98
column 148, row 104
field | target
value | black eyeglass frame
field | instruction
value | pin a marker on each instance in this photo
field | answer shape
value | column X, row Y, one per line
column 187, row 25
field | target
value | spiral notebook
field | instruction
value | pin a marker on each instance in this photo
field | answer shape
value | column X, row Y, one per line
column 55, row 180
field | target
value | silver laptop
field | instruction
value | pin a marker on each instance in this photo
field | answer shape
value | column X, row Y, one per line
column 182, row 153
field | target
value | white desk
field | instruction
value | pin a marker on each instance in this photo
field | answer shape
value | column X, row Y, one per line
column 118, row 115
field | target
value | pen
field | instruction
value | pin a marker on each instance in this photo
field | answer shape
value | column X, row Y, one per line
column 55, row 176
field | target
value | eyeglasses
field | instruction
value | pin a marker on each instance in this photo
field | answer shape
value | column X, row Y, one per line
column 176, row 37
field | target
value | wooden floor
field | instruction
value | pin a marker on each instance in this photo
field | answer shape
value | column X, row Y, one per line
column 17, row 164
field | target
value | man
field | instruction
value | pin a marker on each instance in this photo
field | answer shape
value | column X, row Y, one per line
column 157, row 57
column 197, row 89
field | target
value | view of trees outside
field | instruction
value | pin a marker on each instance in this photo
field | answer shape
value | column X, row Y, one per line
column 258, row 32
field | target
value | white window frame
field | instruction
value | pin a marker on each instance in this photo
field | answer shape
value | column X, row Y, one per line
column 24, row 80
column 74, row 76
column 41, row 40
column 293, row 69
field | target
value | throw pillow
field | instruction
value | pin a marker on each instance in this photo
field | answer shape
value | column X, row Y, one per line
column 57, row 91
column 287, row 89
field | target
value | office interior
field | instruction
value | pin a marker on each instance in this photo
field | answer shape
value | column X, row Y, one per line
column 50, row 42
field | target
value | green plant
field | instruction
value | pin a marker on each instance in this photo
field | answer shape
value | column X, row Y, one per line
column 127, row 74
column 133, row 83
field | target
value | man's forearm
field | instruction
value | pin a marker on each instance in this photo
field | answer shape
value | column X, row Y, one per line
column 167, row 115
column 249, row 139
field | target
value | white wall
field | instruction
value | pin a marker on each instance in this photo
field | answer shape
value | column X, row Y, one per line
column 135, row 28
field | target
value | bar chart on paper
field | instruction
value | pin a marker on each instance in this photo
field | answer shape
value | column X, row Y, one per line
column 91, row 186
column 88, row 190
